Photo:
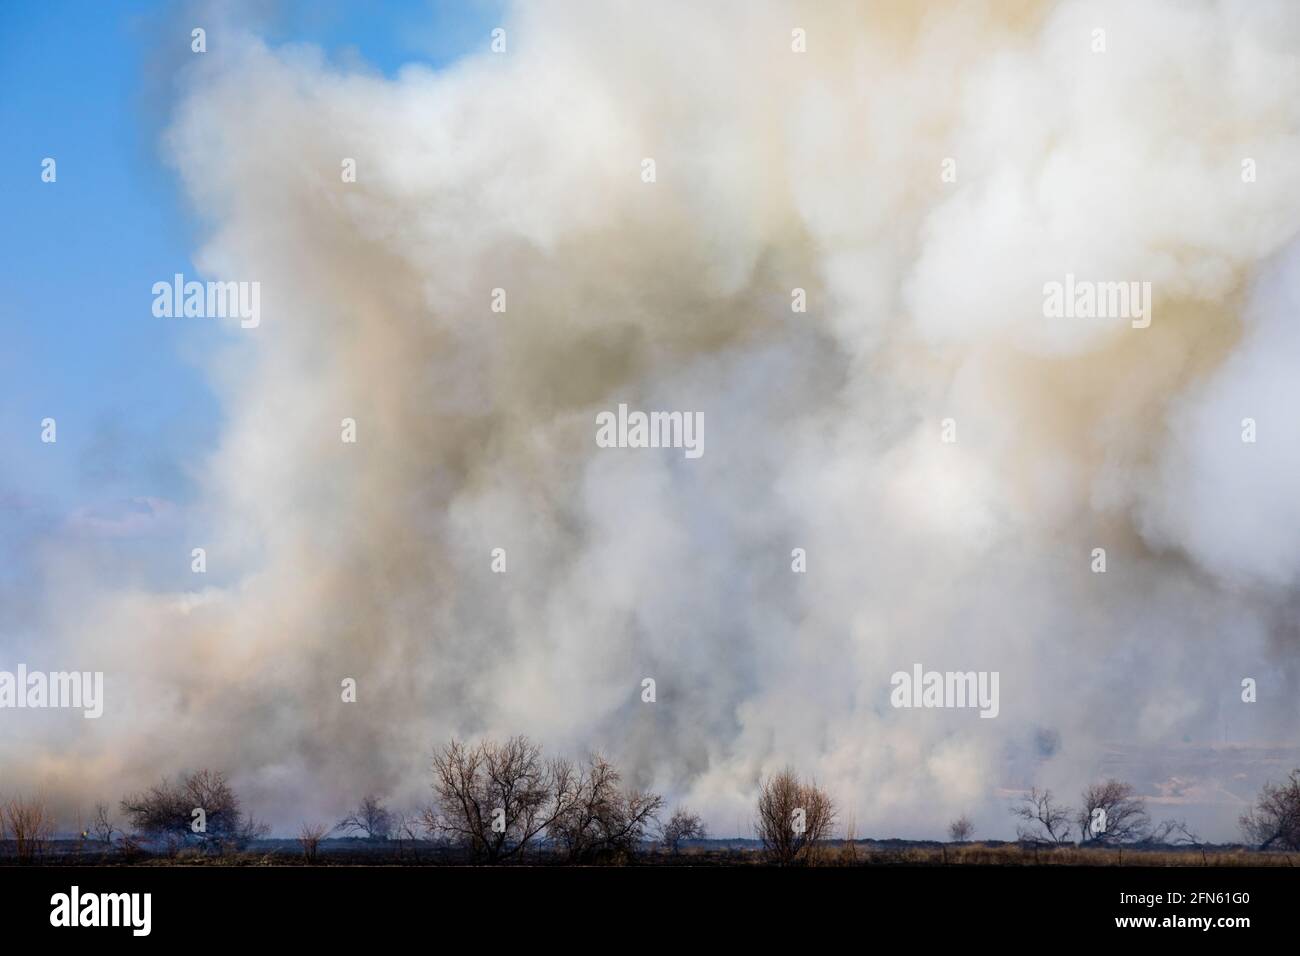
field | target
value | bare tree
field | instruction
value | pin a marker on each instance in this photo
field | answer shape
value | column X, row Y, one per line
column 371, row 818
column 406, row 831
column 682, row 825
column 166, row 811
column 1274, row 821
column 793, row 818
column 1112, row 814
column 309, row 838
column 598, row 820
column 102, row 827
column 494, row 799
column 960, row 830
column 1173, row 833
column 31, row 825
column 1042, row 820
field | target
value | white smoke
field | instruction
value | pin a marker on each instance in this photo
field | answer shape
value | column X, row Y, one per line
column 775, row 170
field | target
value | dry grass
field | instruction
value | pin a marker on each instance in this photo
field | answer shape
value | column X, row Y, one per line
column 979, row 854
column 845, row 853
column 836, row 854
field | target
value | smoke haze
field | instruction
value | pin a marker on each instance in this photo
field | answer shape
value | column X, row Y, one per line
column 774, row 170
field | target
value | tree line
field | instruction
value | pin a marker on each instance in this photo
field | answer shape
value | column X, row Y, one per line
column 497, row 802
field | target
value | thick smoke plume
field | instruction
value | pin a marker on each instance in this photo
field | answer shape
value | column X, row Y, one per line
column 775, row 170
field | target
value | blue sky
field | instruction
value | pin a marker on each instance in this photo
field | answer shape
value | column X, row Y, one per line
column 88, row 84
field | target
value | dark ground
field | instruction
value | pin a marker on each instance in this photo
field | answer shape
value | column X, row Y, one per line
column 727, row 852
